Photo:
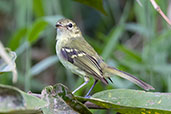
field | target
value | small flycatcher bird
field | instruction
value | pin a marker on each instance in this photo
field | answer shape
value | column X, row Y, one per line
column 77, row 55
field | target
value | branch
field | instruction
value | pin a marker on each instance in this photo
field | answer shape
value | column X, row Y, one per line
column 34, row 94
column 93, row 106
column 157, row 7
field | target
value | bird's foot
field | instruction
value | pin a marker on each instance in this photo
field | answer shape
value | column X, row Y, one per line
column 87, row 96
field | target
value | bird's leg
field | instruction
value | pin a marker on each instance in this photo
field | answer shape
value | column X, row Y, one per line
column 86, row 81
column 87, row 95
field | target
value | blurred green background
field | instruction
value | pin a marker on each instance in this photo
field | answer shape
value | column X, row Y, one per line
column 133, row 38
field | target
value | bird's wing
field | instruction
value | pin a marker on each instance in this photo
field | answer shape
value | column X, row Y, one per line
column 81, row 44
column 83, row 61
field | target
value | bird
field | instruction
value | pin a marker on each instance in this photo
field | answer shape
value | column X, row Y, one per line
column 77, row 55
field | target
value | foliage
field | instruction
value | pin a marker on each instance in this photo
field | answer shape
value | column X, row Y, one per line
column 130, row 37
column 61, row 101
column 58, row 99
column 97, row 4
column 14, row 100
column 133, row 101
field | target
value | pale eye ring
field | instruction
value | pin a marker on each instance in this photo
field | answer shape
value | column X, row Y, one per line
column 70, row 25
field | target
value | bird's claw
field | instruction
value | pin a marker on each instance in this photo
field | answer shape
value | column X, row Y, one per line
column 87, row 96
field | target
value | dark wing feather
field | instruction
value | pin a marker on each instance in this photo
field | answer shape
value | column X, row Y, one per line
column 84, row 61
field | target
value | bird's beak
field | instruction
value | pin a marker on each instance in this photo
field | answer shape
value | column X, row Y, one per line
column 58, row 25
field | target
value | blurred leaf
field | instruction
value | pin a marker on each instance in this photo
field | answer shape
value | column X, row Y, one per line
column 138, row 28
column 132, row 101
column 113, row 39
column 22, row 48
column 16, row 39
column 37, row 28
column 116, row 33
column 129, row 52
column 38, row 8
column 4, row 67
column 61, row 101
column 125, row 14
column 36, row 84
column 97, row 4
column 3, row 6
column 147, row 18
column 52, row 19
column 163, row 36
column 164, row 69
column 44, row 64
column 139, row 2
column 34, row 32
column 14, row 101
column 7, row 63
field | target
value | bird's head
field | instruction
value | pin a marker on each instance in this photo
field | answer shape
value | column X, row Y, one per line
column 67, row 28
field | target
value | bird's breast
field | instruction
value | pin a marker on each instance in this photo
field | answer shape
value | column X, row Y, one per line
column 67, row 64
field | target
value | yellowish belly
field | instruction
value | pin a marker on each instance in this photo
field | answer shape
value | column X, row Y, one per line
column 67, row 64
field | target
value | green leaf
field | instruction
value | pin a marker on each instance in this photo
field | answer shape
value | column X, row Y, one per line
column 38, row 8
column 116, row 33
column 133, row 101
column 37, row 28
column 138, row 28
column 40, row 25
column 113, row 39
column 61, row 101
column 130, row 53
column 97, row 4
column 13, row 100
column 16, row 39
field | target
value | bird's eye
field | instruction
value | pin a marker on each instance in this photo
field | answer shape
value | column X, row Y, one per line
column 70, row 25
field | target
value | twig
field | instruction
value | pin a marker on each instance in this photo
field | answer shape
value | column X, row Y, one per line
column 34, row 94
column 93, row 106
column 156, row 7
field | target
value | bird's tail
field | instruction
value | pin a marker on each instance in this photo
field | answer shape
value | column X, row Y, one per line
column 129, row 77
